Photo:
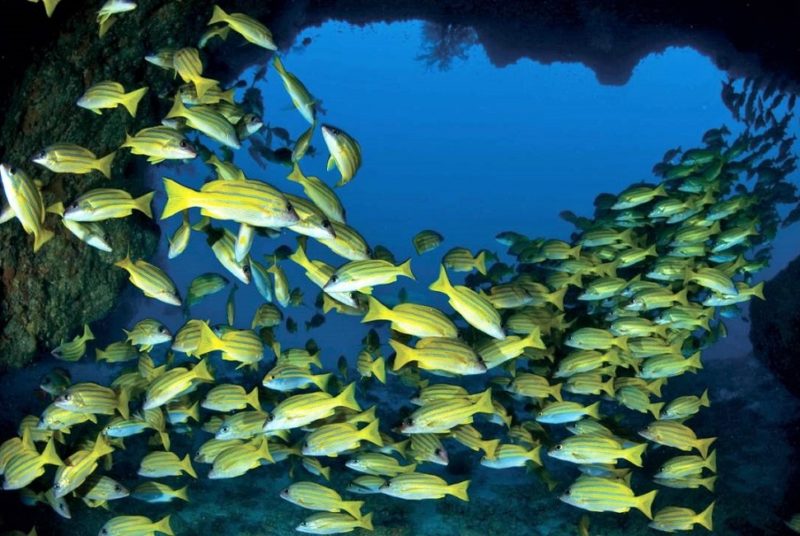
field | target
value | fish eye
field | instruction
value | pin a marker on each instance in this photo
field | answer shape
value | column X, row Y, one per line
column 254, row 119
column 184, row 144
column 559, row 447
column 326, row 223
column 289, row 207
column 163, row 329
column 225, row 429
column 12, row 170
column 117, row 488
column 67, row 397
column 246, row 269
column 40, row 155
column 74, row 205
column 438, row 452
column 567, row 493
column 334, row 278
column 408, row 422
column 270, row 418
column 104, row 531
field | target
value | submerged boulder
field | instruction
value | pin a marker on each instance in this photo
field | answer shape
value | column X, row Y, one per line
column 775, row 326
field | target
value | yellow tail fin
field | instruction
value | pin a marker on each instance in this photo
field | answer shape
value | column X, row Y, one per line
column 403, row 354
column 377, row 311
column 535, row 455
column 178, row 109
column 276, row 61
column 372, row 433
column 484, row 403
column 459, row 490
column 347, row 398
column 49, row 455
column 442, row 284
column 203, row 86
column 711, row 461
column 164, row 526
column 366, row 522
column 405, row 269
column 41, row 238
column 186, row 464
column 634, row 454
column 645, row 503
column 534, row 339
column 252, row 399
column 296, row 175
column 593, row 410
column 142, row 204
column 218, row 15
column 379, row 369
column 353, row 508
column 555, row 390
column 200, row 371
column 228, row 95
column 704, row 518
column 321, row 380
column 557, row 298
column 655, row 409
column 103, row 165
column 131, row 100
column 179, row 197
column 704, row 401
column 703, row 444
column 480, row 262
column 87, row 333
column 182, row 493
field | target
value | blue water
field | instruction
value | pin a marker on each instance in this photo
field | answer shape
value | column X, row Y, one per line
column 470, row 152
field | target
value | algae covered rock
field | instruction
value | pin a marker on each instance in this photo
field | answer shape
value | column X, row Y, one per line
column 775, row 326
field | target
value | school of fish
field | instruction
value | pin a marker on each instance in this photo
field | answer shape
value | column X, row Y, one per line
column 577, row 347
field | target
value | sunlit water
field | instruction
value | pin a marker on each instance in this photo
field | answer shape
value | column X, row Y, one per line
column 470, row 151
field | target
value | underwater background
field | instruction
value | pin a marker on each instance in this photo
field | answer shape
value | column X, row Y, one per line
column 454, row 140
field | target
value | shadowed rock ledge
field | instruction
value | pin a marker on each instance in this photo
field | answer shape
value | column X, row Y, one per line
column 47, row 64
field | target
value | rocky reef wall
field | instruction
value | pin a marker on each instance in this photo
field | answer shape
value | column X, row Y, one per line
column 47, row 64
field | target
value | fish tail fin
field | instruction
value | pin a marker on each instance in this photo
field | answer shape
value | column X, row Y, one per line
column 535, row 455
column 227, row 95
column 704, row 518
column 645, row 503
column 634, row 454
column 366, row 522
column 186, row 464
column 352, row 507
column 142, row 204
column 87, row 333
column 405, row 269
column 347, row 398
column 56, row 208
column 299, row 255
column 263, row 450
column 377, row 311
column 758, row 290
column 489, row 446
column 660, row 190
column 325, row 472
column 709, row 482
column 182, row 493
column 321, row 380
column 104, row 164
column 99, row 354
column 218, row 15
column 608, row 387
column 682, row 297
column 131, row 100
column 703, row 444
column 694, row 361
column 49, row 454
column 164, row 437
column 178, row 109
column 484, row 403
column 704, row 401
column 655, row 409
column 372, row 433
column 164, row 526
column 593, row 410
column 201, row 371
column 252, row 399
column 41, row 238
column 178, row 197
column 534, row 339
column 555, row 391
column 575, row 252
column 379, row 369
column 459, row 490
column 711, row 461
column 194, row 412
column 125, row 264
column 622, row 343
column 656, row 385
column 203, row 86
column 626, row 237
column 278, row 64
column 480, row 262
column 403, row 354
column 557, row 298
column 123, row 401
column 101, row 446
column 296, row 175
column 442, row 284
